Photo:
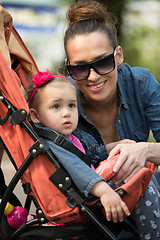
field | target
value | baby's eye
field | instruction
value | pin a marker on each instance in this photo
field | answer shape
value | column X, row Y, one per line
column 71, row 105
column 56, row 106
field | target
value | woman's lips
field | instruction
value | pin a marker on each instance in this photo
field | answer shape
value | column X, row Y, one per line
column 97, row 86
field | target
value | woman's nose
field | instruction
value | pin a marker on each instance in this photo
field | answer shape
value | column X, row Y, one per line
column 93, row 76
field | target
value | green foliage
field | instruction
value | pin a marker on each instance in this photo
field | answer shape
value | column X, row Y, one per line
column 141, row 43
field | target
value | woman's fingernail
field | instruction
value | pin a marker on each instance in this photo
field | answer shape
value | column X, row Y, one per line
column 114, row 169
column 125, row 180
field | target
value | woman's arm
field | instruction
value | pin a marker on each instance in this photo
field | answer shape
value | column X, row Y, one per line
column 154, row 152
column 133, row 158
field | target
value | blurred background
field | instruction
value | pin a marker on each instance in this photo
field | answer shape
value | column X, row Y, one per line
column 42, row 24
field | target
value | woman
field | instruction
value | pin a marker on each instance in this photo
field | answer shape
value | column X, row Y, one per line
column 118, row 102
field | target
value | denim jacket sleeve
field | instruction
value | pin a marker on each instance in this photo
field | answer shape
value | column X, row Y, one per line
column 151, row 98
column 139, row 93
column 82, row 175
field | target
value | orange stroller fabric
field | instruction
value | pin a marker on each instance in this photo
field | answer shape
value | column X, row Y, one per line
column 16, row 139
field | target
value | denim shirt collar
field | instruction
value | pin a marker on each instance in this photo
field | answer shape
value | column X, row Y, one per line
column 121, row 89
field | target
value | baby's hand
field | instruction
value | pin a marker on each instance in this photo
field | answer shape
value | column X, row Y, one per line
column 114, row 206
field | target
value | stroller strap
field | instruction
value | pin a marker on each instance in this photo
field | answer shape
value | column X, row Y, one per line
column 60, row 140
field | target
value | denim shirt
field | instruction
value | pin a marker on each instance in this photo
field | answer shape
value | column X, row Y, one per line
column 139, row 107
column 82, row 175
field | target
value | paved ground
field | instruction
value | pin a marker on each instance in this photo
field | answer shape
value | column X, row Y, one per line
column 9, row 172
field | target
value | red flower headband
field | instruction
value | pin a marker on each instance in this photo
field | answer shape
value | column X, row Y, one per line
column 41, row 78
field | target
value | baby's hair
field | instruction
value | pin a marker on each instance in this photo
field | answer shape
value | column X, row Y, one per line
column 36, row 98
column 90, row 16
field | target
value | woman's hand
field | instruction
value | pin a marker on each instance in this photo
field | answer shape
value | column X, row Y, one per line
column 132, row 158
column 110, row 146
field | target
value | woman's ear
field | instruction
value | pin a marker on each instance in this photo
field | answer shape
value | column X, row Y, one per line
column 119, row 55
column 33, row 115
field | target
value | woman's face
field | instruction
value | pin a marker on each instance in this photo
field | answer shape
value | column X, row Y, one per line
column 89, row 47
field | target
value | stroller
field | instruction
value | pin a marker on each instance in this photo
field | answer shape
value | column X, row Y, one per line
column 28, row 153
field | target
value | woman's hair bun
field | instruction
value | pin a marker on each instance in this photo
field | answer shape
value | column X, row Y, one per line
column 88, row 10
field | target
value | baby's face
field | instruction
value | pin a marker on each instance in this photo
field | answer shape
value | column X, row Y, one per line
column 58, row 107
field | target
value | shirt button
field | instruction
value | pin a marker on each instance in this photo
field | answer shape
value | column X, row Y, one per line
column 119, row 121
column 85, row 116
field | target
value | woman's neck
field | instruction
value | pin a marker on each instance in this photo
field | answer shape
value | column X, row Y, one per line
column 103, row 116
column 108, row 105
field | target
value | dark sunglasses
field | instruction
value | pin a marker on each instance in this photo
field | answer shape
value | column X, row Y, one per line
column 101, row 66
